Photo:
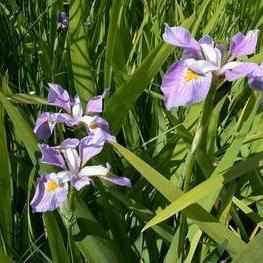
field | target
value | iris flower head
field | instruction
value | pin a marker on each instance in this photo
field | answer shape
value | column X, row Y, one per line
column 189, row 80
column 71, row 157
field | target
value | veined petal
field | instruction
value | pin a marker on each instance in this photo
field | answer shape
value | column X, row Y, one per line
column 104, row 173
column 66, row 119
column 77, row 110
column 236, row 70
column 95, row 104
column 59, row 97
column 206, row 40
column 69, row 143
column 90, row 146
column 182, row 86
column 242, row 45
column 212, row 54
column 78, row 182
column 72, row 159
column 83, row 178
column 200, row 66
column 98, row 125
column 122, row 181
column 51, row 156
column 255, row 79
column 180, row 37
column 94, row 170
column 50, row 193
column 45, row 125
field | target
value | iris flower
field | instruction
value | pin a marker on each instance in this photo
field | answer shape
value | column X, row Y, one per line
column 63, row 21
column 189, row 80
column 71, row 156
column 73, row 114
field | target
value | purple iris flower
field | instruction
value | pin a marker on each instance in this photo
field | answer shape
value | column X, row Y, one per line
column 63, row 21
column 71, row 156
column 73, row 114
column 189, row 80
column 255, row 78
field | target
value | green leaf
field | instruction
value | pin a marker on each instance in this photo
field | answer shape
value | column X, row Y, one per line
column 80, row 59
column 123, row 99
column 23, row 130
column 115, row 20
column 55, row 240
column 196, row 213
column 253, row 253
column 5, row 184
column 87, row 233
column 27, row 99
column 216, row 181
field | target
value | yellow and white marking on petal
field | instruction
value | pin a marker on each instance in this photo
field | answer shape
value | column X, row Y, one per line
column 51, row 186
column 191, row 75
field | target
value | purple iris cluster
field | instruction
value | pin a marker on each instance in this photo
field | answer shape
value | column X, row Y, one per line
column 72, row 155
column 188, row 81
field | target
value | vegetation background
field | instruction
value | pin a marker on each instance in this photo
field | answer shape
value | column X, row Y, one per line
column 118, row 45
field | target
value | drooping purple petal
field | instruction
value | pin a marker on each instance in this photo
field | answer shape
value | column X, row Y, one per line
column 191, row 53
column 181, row 86
column 66, row 119
column 78, row 182
column 69, row 143
column 50, row 194
column 104, row 173
column 51, row 156
column 45, row 125
column 180, row 37
column 122, row 181
column 242, row 45
column 59, row 97
column 236, row 70
column 255, row 79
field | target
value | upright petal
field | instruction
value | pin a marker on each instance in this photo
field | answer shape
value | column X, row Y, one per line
column 98, row 125
column 255, row 79
column 45, row 125
column 242, row 45
column 207, row 40
column 72, row 159
column 50, row 155
column 95, row 104
column 182, row 86
column 90, row 146
column 59, row 97
column 77, row 110
column 180, row 37
column 236, row 70
column 50, row 193
column 212, row 54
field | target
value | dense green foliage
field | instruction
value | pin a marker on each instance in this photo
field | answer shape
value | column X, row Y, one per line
column 214, row 187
